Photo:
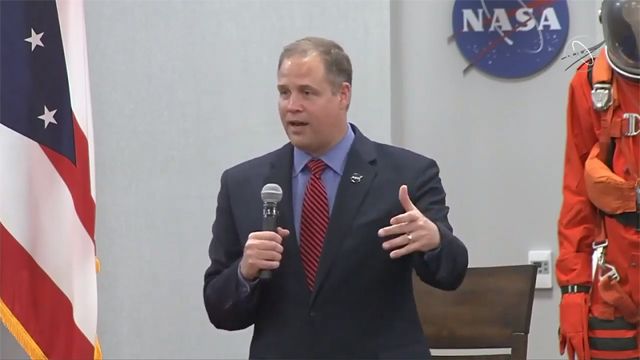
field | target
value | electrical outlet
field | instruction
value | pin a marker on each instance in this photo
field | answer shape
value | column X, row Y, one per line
column 542, row 259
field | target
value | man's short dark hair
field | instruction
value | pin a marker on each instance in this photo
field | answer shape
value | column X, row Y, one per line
column 337, row 64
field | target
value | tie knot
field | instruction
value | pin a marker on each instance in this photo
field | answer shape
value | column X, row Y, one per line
column 317, row 167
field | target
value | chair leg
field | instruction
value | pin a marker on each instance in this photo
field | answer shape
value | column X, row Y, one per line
column 519, row 346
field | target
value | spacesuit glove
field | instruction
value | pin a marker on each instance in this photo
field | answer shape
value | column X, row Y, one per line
column 573, row 332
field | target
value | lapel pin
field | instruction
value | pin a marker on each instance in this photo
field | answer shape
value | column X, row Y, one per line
column 356, row 178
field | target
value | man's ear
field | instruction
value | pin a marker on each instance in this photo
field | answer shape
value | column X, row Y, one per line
column 345, row 95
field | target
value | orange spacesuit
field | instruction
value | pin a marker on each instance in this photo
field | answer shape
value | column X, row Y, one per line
column 598, row 267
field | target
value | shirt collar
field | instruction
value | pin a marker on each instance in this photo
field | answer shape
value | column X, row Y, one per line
column 335, row 158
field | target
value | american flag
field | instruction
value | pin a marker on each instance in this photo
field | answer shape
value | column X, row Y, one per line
column 48, row 290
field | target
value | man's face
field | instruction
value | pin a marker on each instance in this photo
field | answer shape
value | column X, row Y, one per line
column 314, row 117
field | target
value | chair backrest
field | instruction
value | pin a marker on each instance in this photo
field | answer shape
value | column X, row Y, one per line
column 491, row 309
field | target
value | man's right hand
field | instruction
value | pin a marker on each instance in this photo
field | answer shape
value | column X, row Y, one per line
column 263, row 251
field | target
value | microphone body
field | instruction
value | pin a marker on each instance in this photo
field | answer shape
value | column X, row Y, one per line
column 271, row 194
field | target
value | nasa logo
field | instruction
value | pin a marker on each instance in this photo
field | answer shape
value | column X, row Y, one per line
column 510, row 38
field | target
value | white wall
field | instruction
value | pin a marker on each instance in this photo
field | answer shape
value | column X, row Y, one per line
column 500, row 144
column 185, row 89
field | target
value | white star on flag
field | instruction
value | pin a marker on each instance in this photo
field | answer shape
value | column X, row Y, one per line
column 48, row 117
column 35, row 39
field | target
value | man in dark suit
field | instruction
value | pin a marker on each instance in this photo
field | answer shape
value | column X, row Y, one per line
column 355, row 219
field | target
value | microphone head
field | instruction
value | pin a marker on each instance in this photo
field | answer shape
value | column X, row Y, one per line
column 271, row 193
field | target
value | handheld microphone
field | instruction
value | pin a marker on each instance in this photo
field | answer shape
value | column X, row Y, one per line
column 271, row 195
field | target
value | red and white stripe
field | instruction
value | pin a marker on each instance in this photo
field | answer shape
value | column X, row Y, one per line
column 47, row 220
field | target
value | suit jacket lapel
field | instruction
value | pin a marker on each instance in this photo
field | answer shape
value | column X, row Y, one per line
column 280, row 173
column 359, row 172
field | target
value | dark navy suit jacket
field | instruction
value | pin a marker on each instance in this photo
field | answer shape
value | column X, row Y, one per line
column 363, row 305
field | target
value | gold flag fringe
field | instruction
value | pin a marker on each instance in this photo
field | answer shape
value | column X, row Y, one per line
column 22, row 336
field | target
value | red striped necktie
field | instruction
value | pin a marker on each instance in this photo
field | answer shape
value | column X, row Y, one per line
column 314, row 221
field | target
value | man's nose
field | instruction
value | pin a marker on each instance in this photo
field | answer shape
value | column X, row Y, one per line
column 293, row 103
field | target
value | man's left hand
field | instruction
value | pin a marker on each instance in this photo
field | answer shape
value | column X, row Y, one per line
column 415, row 232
